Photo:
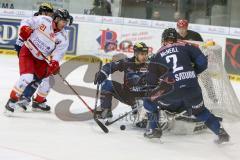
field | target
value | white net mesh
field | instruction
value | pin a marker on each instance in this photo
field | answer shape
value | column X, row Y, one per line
column 218, row 93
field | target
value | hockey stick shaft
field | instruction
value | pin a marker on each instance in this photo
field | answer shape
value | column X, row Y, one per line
column 84, row 102
column 108, row 123
column 97, row 92
column 104, row 128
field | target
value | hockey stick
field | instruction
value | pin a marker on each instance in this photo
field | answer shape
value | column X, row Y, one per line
column 108, row 123
column 104, row 128
column 97, row 93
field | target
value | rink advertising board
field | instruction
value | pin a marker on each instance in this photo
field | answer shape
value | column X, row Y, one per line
column 107, row 40
column 9, row 32
column 108, row 36
column 232, row 58
column 73, row 38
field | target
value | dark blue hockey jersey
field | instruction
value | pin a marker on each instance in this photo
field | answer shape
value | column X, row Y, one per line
column 134, row 73
column 183, row 61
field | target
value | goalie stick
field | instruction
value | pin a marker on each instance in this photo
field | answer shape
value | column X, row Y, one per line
column 100, row 124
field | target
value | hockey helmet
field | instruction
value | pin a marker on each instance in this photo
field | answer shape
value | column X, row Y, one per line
column 140, row 47
column 169, row 34
column 45, row 7
column 64, row 15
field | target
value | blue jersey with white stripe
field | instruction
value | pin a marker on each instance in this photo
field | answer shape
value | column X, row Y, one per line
column 183, row 61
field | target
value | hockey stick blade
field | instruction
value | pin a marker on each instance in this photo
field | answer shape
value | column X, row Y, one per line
column 104, row 128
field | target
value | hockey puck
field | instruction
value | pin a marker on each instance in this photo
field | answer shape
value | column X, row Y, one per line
column 122, row 127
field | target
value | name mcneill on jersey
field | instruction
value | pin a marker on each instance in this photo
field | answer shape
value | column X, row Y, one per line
column 169, row 51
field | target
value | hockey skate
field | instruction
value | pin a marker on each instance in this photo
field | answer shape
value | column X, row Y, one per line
column 13, row 105
column 104, row 113
column 10, row 106
column 153, row 133
column 222, row 136
column 40, row 107
column 23, row 103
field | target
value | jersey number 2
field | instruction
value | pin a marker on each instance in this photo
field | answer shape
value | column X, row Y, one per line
column 173, row 58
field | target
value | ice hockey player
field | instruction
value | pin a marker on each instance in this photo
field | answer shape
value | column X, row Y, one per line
column 178, row 58
column 42, row 35
column 134, row 68
column 45, row 9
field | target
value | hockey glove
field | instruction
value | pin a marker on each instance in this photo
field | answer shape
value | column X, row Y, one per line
column 25, row 32
column 53, row 68
column 99, row 77
column 162, row 89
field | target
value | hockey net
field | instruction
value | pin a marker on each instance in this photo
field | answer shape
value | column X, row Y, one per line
column 218, row 92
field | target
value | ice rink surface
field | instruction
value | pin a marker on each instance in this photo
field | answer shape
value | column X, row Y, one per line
column 42, row 136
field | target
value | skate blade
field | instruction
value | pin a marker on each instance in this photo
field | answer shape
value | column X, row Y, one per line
column 20, row 110
column 8, row 113
column 40, row 111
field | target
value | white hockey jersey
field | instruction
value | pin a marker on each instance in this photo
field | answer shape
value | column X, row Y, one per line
column 44, row 40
